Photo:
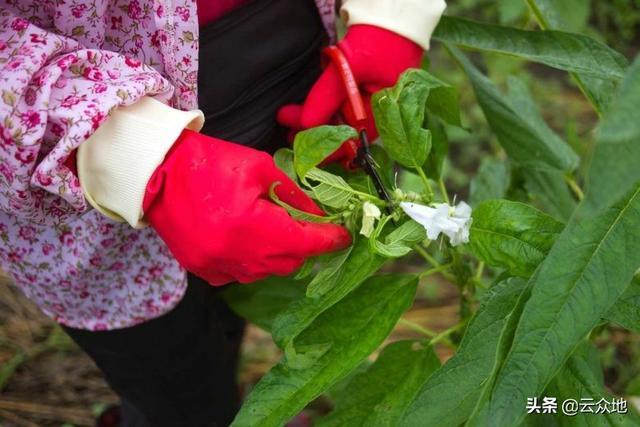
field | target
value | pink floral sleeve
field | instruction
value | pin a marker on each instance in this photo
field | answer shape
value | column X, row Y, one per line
column 55, row 93
column 64, row 65
column 327, row 10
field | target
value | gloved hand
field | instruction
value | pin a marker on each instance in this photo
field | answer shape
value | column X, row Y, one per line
column 290, row 116
column 377, row 58
column 209, row 201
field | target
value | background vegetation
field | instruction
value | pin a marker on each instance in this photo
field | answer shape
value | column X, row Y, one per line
column 45, row 380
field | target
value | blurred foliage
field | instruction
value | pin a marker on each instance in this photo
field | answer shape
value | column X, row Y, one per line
column 615, row 22
column 564, row 108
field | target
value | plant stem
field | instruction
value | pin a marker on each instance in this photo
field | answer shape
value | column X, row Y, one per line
column 479, row 271
column 443, row 191
column 444, row 336
column 370, row 198
column 477, row 277
column 538, row 14
column 425, row 182
column 573, row 185
column 434, row 270
column 417, row 328
column 436, row 265
column 427, row 256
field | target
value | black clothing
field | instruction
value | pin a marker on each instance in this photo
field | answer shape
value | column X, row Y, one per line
column 180, row 369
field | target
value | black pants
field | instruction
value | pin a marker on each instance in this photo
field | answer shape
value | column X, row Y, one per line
column 180, row 369
column 176, row 370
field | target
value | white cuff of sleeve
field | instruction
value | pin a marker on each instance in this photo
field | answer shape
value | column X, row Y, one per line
column 117, row 161
column 413, row 19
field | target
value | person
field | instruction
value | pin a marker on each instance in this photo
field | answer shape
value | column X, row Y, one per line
column 135, row 139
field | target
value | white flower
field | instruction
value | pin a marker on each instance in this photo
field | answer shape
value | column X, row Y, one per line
column 370, row 213
column 452, row 221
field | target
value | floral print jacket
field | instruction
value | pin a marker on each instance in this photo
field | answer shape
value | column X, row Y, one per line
column 64, row 65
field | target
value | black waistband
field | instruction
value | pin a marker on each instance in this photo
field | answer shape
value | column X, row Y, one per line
column 253, row 61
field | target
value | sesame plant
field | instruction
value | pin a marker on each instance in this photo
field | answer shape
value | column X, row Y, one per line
column 543, row 263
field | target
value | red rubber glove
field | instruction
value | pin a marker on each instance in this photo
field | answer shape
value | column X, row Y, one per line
column 377, row 58
column 290, row 115
column 209, row 201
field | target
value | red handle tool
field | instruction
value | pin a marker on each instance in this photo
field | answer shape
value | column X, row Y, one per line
column 356, row 116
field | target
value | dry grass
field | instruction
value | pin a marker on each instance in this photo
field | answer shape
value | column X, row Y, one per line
column 44, row 379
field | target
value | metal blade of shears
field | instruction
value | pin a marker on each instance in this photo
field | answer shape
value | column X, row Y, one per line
column 366, row 161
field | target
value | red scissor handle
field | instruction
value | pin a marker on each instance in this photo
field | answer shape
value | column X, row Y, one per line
column 356, row 103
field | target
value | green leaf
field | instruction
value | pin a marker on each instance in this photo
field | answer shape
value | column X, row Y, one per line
column 439, row 149
column 547, row 186
column 283, row 158
column 297, row 213
column 307, row 268
column 400, row 112
column 444, row 102
column 510, row 10
column 410, row 233
column 328, row 189
column 386, row 167
column 359, row 180
column 566, row 51
column 450, row 394
column 260, row 302
column 410, row 182
column 338, row 388
column 586, row 271
column 599, row 92
column 306, row 355
column 512, row 235
column 554, row 15
column 491, row 182
column 359, row 265
column 581, row 378
column 519, row 130
column 399, row 242
column 312, row 146
column 549, row 192
column 614, row 169
column 380, row 395
column 633, row 387
column 570, row 15
column 521, row 100
column 323, row 281
column 504, row 343
column 354, row 327
column 626, row 311
column 588, row 268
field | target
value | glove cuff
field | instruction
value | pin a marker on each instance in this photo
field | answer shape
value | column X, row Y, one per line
column 414, row 19
column 117, row 161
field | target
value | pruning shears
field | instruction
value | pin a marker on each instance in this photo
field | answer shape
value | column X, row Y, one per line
column 358, row 119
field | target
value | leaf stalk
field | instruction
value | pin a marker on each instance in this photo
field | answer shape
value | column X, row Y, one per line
column 573, row 185
column 425, row 182
column 417, row 328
